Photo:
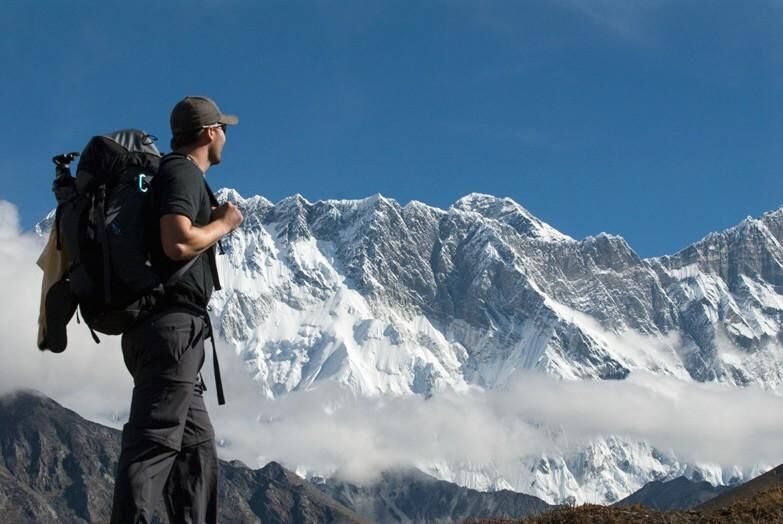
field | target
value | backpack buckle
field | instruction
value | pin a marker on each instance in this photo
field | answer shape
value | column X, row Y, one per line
column 144, row 186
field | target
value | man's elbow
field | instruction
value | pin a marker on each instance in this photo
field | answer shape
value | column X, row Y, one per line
column 178, row 252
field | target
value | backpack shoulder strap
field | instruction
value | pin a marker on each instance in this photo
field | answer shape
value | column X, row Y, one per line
column 181, row 272
column 212, row 258
column 211, row 251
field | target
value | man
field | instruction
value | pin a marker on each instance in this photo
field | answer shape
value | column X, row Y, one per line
column 168, row 444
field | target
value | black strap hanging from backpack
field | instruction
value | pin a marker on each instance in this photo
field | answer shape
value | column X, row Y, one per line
column 216, row 282
column 103, row 240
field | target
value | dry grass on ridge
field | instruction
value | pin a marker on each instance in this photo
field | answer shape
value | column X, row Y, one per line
column 764, row 508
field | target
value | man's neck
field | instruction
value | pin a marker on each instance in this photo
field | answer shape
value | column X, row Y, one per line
column 198, row 156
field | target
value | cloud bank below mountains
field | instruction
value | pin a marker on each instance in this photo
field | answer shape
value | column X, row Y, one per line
column 330, row 429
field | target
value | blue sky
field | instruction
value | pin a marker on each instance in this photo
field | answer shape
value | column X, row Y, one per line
column 656, row 120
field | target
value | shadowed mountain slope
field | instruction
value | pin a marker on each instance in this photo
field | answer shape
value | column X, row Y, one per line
column 56, row 467
column 679, row 493
column 768, row 482
column 411, row 496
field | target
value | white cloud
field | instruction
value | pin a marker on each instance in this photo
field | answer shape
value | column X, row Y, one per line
column 328, row 428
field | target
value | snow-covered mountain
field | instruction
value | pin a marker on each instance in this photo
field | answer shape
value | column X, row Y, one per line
column 408, row 301
column 411, row 300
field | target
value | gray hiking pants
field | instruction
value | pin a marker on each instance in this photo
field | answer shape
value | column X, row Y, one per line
column 168, row 444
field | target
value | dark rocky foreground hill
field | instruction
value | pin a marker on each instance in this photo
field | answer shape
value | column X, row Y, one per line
column 56, row 467
column 769, row 482
column 759, row 501
column 679, row 493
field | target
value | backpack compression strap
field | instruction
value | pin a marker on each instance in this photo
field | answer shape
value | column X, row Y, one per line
column 103, row 238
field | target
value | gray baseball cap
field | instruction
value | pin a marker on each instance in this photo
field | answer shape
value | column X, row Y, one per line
column 194, row 112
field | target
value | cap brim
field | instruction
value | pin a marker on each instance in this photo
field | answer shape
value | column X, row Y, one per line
column 228, row 119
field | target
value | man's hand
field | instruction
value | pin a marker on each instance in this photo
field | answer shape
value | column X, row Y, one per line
column 229, row 214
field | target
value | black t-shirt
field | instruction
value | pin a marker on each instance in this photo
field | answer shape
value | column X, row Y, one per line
column 179, row 188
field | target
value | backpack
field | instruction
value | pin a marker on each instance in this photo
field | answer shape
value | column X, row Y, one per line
column 101, row 222
column 101, row 226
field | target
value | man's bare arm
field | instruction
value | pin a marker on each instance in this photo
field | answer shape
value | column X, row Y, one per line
column 181, row 240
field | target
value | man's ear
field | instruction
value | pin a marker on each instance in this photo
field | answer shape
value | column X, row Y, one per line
column 204, row 138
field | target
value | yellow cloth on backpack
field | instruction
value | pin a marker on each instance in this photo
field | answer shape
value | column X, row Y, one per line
column 54, row 263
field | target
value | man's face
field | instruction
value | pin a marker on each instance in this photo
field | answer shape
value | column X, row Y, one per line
column 215, row 149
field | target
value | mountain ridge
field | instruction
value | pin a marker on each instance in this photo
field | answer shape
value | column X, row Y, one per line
column 413, row 300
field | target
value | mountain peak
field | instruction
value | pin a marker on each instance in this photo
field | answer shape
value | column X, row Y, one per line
column 480, row 202
column 377, row 197
column 227, row 194
column 294, row 200
column 472, row 199
column 506, row 210
column 275, row 470
column 375, row 201
column 27, row 400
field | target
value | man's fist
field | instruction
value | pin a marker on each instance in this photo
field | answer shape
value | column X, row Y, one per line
column 229, row 214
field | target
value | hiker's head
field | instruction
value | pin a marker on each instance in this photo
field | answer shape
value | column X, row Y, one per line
column 196, row 121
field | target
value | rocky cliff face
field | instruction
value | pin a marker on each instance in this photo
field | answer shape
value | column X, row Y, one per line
column 55, row 467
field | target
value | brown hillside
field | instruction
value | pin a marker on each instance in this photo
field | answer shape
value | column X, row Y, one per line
column 761, row 508
column 768, row 481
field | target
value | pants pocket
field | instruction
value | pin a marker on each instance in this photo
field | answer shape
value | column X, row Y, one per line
column 175, row 333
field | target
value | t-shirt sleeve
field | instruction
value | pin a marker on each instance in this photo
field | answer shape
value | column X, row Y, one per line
column 178, row 193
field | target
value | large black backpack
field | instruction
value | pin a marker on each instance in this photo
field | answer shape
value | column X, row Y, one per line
column 102, row 221
column 103, row 224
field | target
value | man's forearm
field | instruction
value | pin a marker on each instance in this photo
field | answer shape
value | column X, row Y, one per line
column 184, row 241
